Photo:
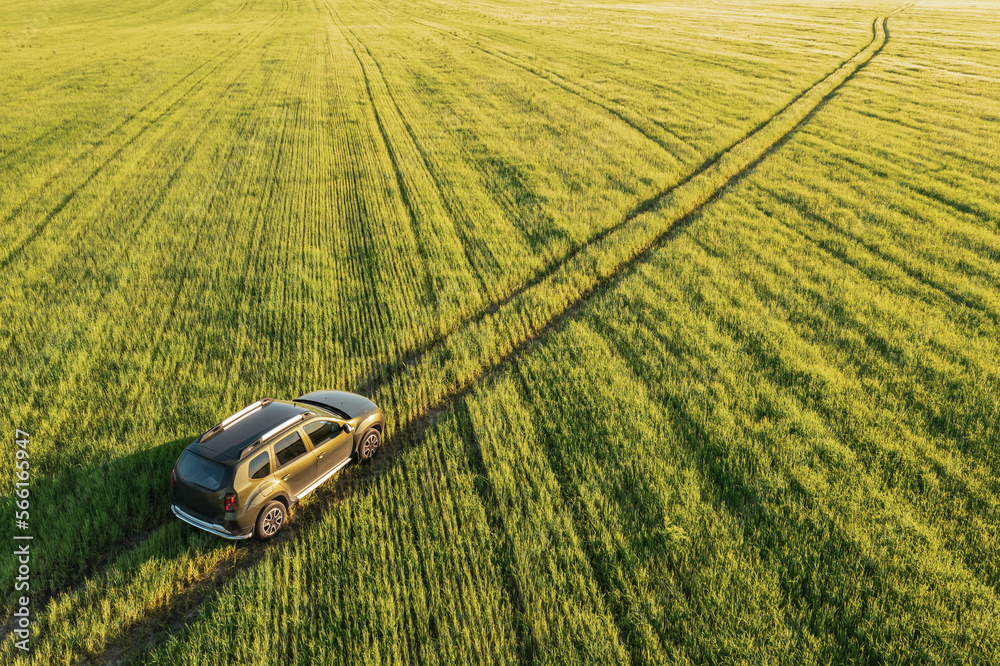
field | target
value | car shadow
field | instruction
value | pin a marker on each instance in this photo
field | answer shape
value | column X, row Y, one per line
column 83, row 517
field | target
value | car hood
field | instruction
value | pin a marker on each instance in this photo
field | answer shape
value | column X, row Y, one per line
column 352, row 404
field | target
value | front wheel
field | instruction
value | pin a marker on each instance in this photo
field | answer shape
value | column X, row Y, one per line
column 370, row 443
column 270, row 520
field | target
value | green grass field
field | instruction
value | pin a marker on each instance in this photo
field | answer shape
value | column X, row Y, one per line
column 685, row 316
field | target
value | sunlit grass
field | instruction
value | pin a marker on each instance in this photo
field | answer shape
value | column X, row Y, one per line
column 770, row 438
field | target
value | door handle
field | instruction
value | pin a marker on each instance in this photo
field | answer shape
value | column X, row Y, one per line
column 320, row 455
column 285, row 477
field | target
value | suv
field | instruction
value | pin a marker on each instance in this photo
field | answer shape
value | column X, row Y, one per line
column 241, row 477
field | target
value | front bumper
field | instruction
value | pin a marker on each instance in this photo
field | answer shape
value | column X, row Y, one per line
column 217, row 530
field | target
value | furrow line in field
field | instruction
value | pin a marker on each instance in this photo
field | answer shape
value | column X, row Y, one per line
column 527, row 644
column 347, row 209
column 178, row 102
column 562, row 472
column 913, row 273
column 870, row 447
column 443, row 199
column 210, row 110
column 645, row 126
column 906, row 177
column 370, row 218
column 426, row 216
column 35, row 141
column 425, row 160
column 730, row 487
column 296, row 152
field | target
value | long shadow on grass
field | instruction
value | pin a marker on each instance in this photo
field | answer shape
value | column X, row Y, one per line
column 528, row 650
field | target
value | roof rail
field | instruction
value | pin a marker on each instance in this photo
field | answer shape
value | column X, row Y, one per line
column 254, row 445
column 248, row 450
column 238, row 416
column 274, row 431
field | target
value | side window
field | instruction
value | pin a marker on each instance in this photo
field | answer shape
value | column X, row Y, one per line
column 289, row 448
column 260, row 466
column 320, row 431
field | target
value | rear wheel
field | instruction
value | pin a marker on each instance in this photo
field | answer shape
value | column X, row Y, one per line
column 270, row 520
column 371, row 441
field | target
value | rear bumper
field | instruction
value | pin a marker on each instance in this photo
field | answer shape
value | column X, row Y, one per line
column 217, row 530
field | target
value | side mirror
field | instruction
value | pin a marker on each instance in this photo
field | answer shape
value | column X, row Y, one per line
column 348, row 428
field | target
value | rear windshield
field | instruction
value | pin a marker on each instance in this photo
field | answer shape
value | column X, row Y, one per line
column 195, row 469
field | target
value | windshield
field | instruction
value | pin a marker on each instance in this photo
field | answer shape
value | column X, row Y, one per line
column 195, row 469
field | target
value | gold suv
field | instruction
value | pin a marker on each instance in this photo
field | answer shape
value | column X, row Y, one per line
column 241, row 477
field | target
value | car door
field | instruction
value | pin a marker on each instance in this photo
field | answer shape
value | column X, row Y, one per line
column 296, row 464
column 332, row 444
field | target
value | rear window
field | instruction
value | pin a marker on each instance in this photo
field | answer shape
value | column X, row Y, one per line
column 260, row 466
column 195, row 469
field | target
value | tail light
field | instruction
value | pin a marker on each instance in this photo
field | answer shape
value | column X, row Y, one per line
column 171, row 478
column 230, row 502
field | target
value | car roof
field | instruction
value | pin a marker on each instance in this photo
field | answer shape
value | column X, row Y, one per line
column 228, row 444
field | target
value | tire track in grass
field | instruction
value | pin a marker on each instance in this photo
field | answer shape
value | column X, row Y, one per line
column 726, row 161
column 567, row 288
column 172, row 107
column 46, row 136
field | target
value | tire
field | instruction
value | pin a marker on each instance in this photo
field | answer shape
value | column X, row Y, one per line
column 370, row 442
column 270, row 520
